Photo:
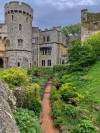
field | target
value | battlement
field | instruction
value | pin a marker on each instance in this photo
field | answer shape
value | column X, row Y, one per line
column 18, row 3
column 87, row 16
column 18, row 7
column 90, row 23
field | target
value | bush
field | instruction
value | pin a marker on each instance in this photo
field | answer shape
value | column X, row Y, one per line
column 85, row 126
column 29, row 97
column 54, row 94
column 80, row 56
column 60, row 68
column 69, row 95
column 15, row 77
column 38, row 72
column 94, row 42
column 27, row 121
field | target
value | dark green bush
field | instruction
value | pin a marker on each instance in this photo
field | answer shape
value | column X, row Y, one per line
column 27, row 121
column 81, row 56
column 85, row 126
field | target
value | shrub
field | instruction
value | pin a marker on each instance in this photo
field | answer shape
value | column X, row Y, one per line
column 94, row 42
column 80, row 56
column 27, row 121
column 33, row 98
column 69, row 94
column 15, row 76
column 54, row 94
column 85, row 126
column 60, row 68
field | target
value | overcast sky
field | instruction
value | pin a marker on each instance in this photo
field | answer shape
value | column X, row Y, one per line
column 49, row 13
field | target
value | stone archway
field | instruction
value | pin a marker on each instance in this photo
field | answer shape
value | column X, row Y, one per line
column 1, row 62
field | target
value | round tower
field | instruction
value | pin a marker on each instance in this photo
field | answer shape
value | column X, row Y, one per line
column 18, row 18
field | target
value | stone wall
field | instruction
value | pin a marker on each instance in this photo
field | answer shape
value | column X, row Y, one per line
column 7, row 106
column 90, row 23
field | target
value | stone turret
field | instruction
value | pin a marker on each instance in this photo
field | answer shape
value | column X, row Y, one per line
column 18, row 18
column 90, row 23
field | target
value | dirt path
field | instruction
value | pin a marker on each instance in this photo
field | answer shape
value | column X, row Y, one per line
column 45, row 118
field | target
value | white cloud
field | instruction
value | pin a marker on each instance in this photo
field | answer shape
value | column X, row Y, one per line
column 61, row 4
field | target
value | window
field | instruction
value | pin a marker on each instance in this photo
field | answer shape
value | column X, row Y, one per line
column 20, row 27
column 18, row 64
column 48, row 38
column 45, row 50
column 20, row 42
column 27, row 19
column 49, row 62
column 96, row 25
column 43, row 38
column 63, row 62
column 43, row 62
column 12, row 17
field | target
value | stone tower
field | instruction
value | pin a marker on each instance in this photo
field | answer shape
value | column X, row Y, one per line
column 18, row 18
column 90, row 23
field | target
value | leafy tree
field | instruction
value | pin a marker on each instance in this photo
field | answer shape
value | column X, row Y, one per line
column 94, row 41
column 72, row 29
column 80, row 56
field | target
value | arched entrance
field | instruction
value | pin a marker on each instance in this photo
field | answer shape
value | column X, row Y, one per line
column 1, row 63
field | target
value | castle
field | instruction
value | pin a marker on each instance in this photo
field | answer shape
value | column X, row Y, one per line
column 25, row 46
column 90, row 23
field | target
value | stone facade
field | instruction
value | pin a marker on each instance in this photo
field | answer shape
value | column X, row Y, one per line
column 90, row 23
column 23, row 45
column 48, row 47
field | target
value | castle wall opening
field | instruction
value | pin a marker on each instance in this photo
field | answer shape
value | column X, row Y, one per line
column 1, row 63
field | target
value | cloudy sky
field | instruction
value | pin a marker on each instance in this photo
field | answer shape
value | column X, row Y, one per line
column 49, row 13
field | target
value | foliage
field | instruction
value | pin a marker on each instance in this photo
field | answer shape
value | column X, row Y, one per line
column 27, row 121
column 29, row 97
column 54, row 94
column 39, row 72
column 80, row 56
column 28, row 94
column 94, row 41
column 69, row 95
column 60, row 68
column 85, row 126
column 15, row 76
column 72, row 29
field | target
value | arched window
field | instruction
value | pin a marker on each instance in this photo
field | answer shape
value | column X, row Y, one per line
column 20, row 42
column 12, row 17
column 20, row 27
column 43, row 38
column 18, row 64
column 48, row 38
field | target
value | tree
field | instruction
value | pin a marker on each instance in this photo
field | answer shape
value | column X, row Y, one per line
column 80, row 55
column 94, row 42
column 72, row 29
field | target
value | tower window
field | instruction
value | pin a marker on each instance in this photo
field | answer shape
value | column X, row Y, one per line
column 48, row 38
column 20, row 42
column 43, row 38
column 27, row 19
column 49, row 62
column 20, row 27
column 43, row 62
column 12, row 17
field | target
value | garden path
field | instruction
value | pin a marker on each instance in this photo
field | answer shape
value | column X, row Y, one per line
column 45, row 118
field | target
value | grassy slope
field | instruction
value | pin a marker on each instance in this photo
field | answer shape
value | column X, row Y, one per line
column 93, row 85
column 91, row 89
column 88, row 84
